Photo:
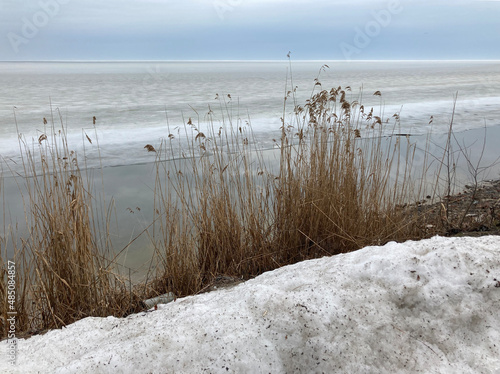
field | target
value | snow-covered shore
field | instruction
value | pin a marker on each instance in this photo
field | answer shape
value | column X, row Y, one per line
column 430, row 306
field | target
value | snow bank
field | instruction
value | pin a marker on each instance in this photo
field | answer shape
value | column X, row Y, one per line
column 430, row 306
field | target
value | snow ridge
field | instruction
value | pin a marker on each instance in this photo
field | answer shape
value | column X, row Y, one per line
column 429, row 306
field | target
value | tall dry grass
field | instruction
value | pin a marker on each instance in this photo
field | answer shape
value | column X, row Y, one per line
column 339, row 186
column 213, row 208
column 63, row 267
column 341, row 182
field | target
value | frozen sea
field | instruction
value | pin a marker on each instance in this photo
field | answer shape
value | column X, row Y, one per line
column 139, row 103
column 135, row 102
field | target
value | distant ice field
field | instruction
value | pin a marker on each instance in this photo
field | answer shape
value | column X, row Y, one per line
column 139, row 103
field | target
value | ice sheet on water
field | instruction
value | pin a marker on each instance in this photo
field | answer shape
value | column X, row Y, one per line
column 133, row 102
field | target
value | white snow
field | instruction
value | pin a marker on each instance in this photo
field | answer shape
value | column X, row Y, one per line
column 429, row 306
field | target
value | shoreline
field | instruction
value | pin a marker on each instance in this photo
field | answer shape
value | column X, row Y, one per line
column 474, row 211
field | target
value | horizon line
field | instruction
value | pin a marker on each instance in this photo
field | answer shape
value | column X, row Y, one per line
column 256, row 60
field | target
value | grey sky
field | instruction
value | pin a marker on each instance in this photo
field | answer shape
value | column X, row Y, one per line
column 248, row 29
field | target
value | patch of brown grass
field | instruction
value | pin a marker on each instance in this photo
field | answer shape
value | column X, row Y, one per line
column 63, row 271
column 339, row 186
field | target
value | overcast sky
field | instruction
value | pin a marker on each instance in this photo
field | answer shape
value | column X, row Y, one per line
column 249, row 29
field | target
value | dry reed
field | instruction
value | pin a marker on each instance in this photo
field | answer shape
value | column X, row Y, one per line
column 63, row 272
column 340, row 186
